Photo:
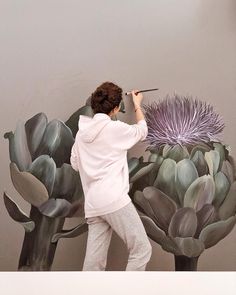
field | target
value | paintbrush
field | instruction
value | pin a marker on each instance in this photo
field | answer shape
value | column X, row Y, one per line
column 144, row 90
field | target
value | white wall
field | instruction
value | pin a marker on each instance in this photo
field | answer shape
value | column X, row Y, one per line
column 53, row 53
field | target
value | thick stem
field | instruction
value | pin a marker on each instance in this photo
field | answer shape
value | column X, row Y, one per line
column 184, row 263
column 37, row 251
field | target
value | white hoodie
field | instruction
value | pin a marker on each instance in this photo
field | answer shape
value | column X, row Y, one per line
column 100, row 155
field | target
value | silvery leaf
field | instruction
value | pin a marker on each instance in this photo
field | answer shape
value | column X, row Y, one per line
column 189, row 247
column 205, row 216
column 222, row 187
column 162, row 206
column 44, row 168
column 70, row 233
column 200, row 192
column 28, row 186
column 213, row 160
column 17, row 214
column 165, row 180
column 228, row 208
column 183, row 223
column 200, row 163
column 186, row 173
column 227, row 169
column 55, row 208
column 57, row 142
column 18, row 147
column 215, row 232
column 35, row 128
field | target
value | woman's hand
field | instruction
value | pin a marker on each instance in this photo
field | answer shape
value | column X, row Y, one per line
column 137, row 99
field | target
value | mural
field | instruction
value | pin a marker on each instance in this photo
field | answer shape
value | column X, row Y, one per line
column 185, row 193
column 41, row 173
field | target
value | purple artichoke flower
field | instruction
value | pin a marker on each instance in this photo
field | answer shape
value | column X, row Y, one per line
column 181, row 120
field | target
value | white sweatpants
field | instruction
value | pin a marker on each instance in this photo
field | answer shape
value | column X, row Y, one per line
column 127, row 224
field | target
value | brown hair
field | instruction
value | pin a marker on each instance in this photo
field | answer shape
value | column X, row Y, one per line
column 106, row 97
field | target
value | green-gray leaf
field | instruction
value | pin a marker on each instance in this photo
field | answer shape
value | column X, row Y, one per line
column 189, row 247
column 162, row 206
column 17, row 214
column 213, row 160
column 143, row 171
column 165, row 180
column 55, row 208
column 215, row 232
column 186, row 173
column 222, row 187
column 177, row 153
column 200, row 192
column 71, row 233
column 227, row 169
column 200, row 163
column 143, row 203
column 44, row 168
column 35, row 128
column 18, row 147
column 228, row 208
column 28, row 186
column 183, row 223
column 57, row 142
column 205, row 216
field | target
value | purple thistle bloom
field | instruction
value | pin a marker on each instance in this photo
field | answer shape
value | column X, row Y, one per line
column 181, row 120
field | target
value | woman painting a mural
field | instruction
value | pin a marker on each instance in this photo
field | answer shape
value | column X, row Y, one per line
column 100, row 155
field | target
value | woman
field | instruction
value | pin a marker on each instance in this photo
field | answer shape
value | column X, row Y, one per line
column 100, row 155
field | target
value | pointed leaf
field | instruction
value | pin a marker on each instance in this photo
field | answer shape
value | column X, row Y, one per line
column 143, row 203
column 201, row 147
column 17, row 214
column 57, row 142
column 221, row 150
column 186, row 173
column 132, row 164
column 18, row 147
column 200, row 192
column 153, row 157
column 162, row 206
column 70, row 233
column 67, row 184
column 177, row 153
column 35, row 128
column 55, row 208
column 158, row 236
column 228, row 208
column 205, row 216
column 165, row 180
column 141, row 172
column 200, row 163
column 28, row 186
column 227, row 169
column 183, row 223
column 189, row 247
column 72, row 122
column 213, row 160
column 44, row 168
column 153, row 173
column 215, row 232
column 166, row 150
column 222, row 187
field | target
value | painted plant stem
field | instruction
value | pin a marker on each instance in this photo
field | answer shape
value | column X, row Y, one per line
column 38, row 251
column 184, row 263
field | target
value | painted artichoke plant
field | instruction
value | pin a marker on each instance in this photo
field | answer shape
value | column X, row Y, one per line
column 41, row 174
column 186, row 191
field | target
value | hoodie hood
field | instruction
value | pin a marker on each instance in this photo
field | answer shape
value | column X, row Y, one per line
column 89, row 127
